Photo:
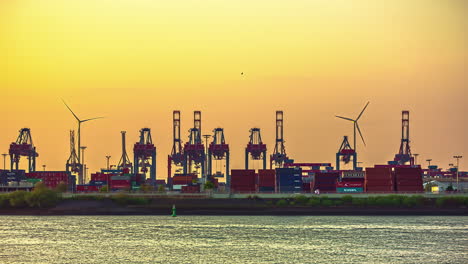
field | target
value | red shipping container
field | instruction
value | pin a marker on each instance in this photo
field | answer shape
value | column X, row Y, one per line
column 266, row 178
column 350, row 184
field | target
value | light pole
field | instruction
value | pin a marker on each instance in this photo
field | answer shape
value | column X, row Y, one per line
column 4, row 160
column 429, row 161
column 206, row 156
column 458, row 157
column 83, row 163
column 415, row 159
column 108, row 158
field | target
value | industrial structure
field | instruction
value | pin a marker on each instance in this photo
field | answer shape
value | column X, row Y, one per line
column 124, row 163
column 23, row 146
column 73, row 164
column 144, row 155
column 404, row 155
column 194, row 150
column 255, row 149
column 176, row 158
column 198, row 163
column 218, row 151
column 345, row 153
column 279, row 154
column 355, row 126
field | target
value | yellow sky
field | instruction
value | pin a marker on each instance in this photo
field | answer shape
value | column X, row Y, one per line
column 136, row 61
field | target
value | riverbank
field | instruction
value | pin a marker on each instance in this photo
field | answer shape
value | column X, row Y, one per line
column 127, row 205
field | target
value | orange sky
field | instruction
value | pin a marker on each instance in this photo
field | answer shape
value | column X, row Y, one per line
column 136, row 61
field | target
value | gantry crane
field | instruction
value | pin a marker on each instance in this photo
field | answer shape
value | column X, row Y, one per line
column 144, row 153
column 23, row 147
column 124, row 164
column 279, row 155
column 404, row 155
column 255, row 149
column 218, row 151
column 73, row 164
column 176, row 157
column 194, row 150
column 345, row 153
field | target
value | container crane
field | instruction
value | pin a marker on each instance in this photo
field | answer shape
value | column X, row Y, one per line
column 194, row 150
column 279, row 155
column 23, row 147
column 144, row 153
column 255, row 149
column 218, row 151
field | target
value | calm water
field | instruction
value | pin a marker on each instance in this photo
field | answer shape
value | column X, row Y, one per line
column 233, row 239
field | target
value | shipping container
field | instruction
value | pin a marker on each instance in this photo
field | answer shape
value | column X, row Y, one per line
column 243, row 181
column 349, row 189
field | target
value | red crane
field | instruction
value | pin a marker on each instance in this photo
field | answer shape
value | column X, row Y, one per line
column 194, row 150
column 255, row 149
column 23, row 147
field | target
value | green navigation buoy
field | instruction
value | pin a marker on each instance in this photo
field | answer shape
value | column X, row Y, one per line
column 174, row 214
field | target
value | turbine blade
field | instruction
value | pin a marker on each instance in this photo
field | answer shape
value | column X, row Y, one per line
column 345, row 118
column 359, row 130
column 362, row 111
column 89, row 119
column 71, row 110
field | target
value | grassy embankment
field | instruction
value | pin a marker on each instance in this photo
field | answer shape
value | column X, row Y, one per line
column 42, row 197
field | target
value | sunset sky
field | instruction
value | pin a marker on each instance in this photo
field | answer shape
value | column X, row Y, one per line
column 135, row 61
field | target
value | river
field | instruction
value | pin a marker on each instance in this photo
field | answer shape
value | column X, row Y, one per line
column 234, row 239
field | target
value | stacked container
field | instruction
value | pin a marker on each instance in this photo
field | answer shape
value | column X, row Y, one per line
column 100, row 178
column 52, row 178
column 120, row 182
column 183, row 179
column 408, row 180
column 243, row 181
column 7, row 176
column 266, row 180
column 87, row 188
column 379, row 179
column 325, row 181
column 349, row 187
column 190, row 189
column 289, row 180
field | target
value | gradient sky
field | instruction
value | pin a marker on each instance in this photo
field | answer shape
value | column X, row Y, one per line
column 135, row 61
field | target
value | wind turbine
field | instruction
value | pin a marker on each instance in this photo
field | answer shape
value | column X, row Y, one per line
column 356, row 125
column 79, row 128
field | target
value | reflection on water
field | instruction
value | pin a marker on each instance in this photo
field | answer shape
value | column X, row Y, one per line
column 233, row 239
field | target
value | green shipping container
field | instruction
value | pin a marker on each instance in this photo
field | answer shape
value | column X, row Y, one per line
column 33, row 180
column 349, row 190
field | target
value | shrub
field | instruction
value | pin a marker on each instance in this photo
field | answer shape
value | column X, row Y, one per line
column 104, row 189
column 338, row 202
column 4, row 202
column 282, row 202
column 42, row 198
column 18, row 199
column 326, row 202
column 347, row 199
column 314, row 201
column 61, row 187
column 412, row 201
column 359, row 202
column 123, row 200
column 301, row 199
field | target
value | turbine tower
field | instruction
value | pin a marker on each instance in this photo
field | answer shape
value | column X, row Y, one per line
column 356, row 125
column 79, row 128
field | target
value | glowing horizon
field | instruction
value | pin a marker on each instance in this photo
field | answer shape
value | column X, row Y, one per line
column 137, row 61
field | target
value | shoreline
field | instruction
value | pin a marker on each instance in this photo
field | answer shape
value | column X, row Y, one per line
column 224, row 207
